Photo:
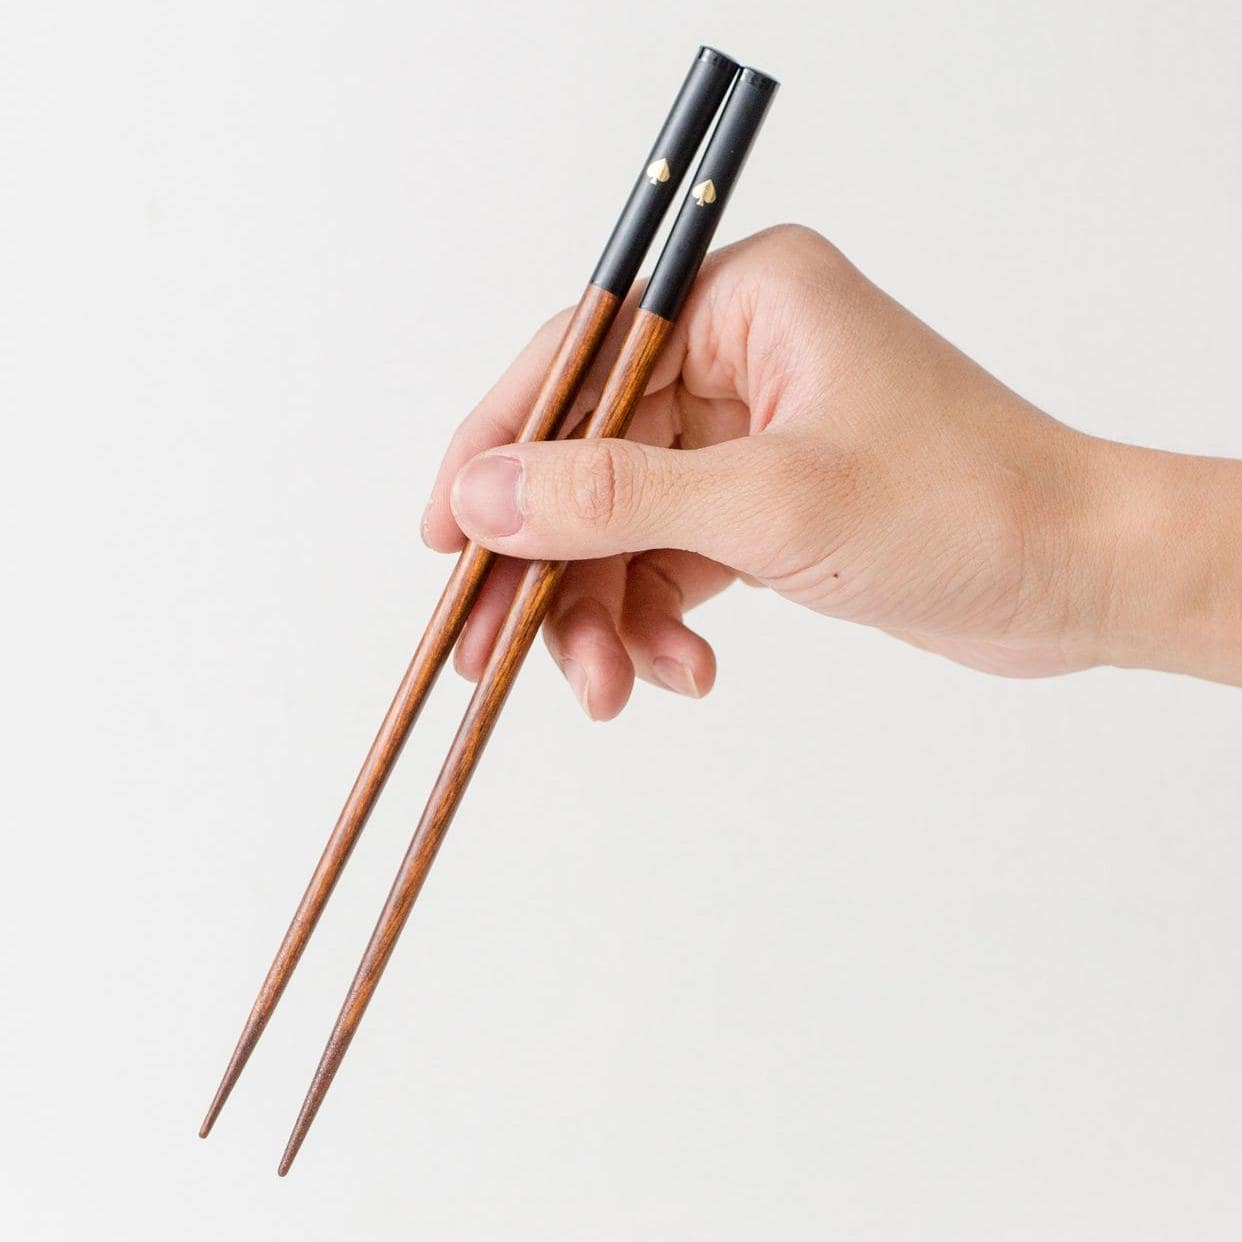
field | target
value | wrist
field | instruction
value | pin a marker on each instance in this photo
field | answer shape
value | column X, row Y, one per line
column 1166, row 535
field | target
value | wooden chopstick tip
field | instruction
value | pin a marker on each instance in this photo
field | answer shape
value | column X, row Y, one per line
column 213, row 1112
column 291, row 1151
column 301, row 1127
column 232, row 1072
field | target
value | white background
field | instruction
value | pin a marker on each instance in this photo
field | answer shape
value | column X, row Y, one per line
column 864, row 946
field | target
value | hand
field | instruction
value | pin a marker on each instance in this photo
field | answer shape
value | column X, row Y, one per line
column 805, row 432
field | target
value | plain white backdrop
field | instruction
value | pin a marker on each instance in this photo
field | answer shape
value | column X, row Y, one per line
column 863, row 946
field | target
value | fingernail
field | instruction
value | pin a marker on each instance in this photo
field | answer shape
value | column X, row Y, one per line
column 424, row 526
column 486, row 496
column 580, row 683
column 673, row 675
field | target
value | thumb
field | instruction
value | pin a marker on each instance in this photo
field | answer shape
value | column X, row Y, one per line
column 736, row 502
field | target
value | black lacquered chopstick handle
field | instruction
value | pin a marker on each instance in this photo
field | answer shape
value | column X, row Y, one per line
column 665, row 167
column 717, row 174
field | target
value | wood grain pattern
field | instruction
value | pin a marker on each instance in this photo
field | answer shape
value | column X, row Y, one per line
column 578, row 348
column 625, row 386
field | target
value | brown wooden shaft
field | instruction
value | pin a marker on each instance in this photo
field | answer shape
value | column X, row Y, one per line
column 526, row 613
column 583, row 337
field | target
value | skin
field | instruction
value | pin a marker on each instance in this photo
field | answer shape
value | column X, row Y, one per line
column 807, row 434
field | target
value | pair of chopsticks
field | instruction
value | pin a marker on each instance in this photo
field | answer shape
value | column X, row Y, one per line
column 749, row 93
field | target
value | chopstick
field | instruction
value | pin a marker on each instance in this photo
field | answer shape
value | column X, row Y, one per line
column 683, row 130
column 662, row 301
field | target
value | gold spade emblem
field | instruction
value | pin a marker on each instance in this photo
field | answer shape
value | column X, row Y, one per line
column 704, row 193
column 658, row 171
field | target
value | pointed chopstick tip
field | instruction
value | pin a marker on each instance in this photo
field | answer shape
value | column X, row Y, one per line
column 301, row 1127
column 237, row 1062
column 291, row 1151
column 214, row 1111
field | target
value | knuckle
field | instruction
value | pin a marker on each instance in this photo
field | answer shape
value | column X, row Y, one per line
column 802, row 252
column 796, row 237
column 602, row 484
column 797, row 242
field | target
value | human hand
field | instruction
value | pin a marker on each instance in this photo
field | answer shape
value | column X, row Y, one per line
column 804, row 431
